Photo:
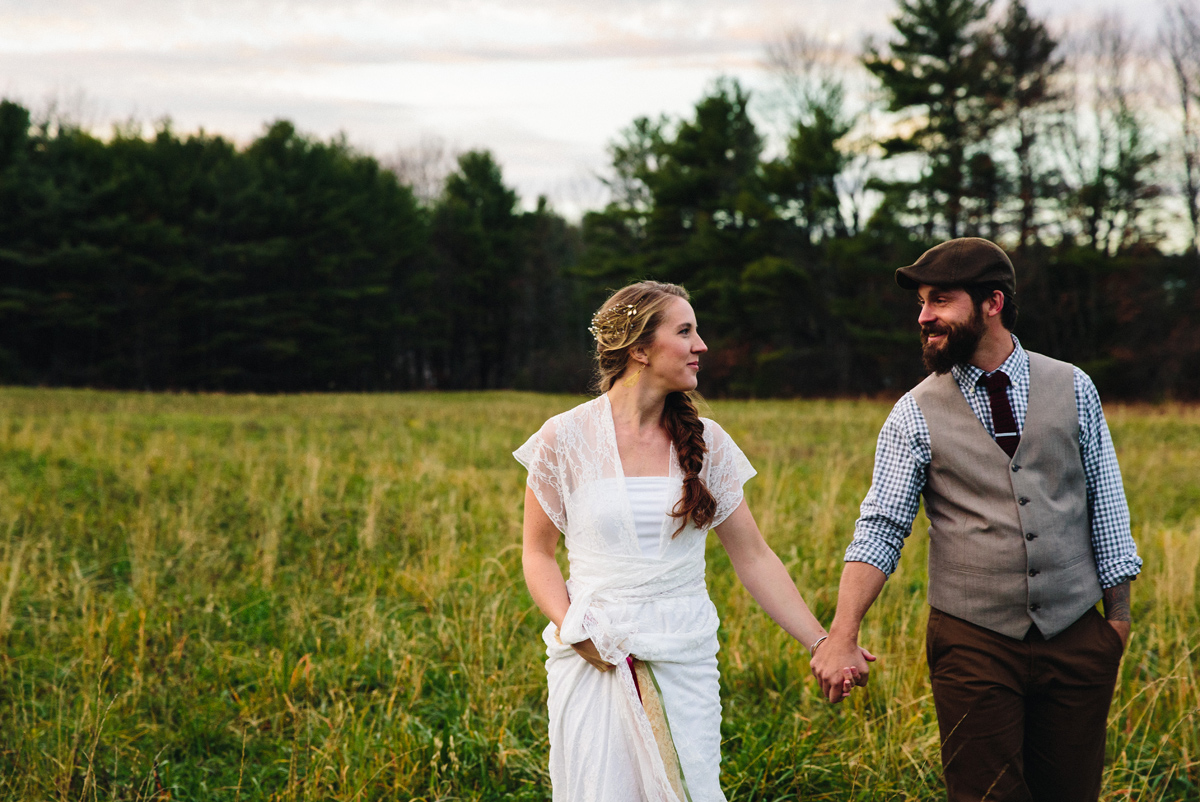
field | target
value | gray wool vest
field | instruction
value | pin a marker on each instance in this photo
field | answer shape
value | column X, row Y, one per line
column 1009, row 540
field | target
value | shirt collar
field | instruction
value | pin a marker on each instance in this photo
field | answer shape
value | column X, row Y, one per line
column 1016, row 367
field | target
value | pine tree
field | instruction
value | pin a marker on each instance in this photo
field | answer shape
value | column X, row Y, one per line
column 939, row 75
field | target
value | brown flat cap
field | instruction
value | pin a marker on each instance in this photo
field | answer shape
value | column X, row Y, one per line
column 967, row 260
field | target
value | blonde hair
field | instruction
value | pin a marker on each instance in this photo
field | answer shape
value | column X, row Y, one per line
column 629, row 319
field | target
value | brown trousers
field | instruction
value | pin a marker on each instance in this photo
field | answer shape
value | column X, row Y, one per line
column 1022, row 720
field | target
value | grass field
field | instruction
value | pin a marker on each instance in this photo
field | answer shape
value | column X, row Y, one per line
column 320, row 597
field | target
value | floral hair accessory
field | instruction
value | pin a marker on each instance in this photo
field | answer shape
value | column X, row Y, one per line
column 614, row 320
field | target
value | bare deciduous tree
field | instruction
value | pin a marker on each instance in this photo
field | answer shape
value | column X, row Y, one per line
column 1179, row 35
column 423, row 166
column 810, row 71
column 813, row 73
column 1105, row 145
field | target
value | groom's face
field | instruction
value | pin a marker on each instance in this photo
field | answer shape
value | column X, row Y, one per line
column 951, row 327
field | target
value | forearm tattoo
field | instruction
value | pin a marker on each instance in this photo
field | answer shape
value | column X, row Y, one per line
column 1116, row 602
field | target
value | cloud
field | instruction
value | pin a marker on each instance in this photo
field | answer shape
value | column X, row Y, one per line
column 544, row 83
column 415, row 28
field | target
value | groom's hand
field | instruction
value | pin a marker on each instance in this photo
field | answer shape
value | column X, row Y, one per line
column 839, row 664
column 859, row 586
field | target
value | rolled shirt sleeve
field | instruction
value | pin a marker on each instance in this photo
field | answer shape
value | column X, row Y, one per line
column 902, row 455
column 1112, row 541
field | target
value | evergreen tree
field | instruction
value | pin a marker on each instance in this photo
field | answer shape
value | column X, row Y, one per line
column 707, row 222
column 617, row 235
column 939, row 73
column 804, row 184
column 1026, row 55
column 478, row 255
column 317, row 237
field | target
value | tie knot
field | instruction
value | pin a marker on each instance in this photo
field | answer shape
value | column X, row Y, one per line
column 996, row 382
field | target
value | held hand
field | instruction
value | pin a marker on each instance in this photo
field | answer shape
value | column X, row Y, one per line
column 587, row 650
column 839, row 665
column 1122, row 628
column 851, row 677
column 870, row 658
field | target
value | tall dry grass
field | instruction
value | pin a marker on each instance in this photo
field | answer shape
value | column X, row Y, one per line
column 320, row 597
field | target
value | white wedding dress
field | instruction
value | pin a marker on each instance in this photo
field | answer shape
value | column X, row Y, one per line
column 603, row 745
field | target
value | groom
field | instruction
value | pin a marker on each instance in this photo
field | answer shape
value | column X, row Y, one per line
column 1028, row 530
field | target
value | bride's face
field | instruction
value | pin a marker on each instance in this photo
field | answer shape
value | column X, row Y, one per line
column 673, row 359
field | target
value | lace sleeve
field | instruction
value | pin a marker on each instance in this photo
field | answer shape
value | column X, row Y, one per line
column 727, row 470
column 540, row 457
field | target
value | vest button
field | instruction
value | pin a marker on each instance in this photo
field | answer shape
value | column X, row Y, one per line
column 1034, row 607
column 1016, row 468
column 1033, row 572
column 1023, row 500
column 1030, row 535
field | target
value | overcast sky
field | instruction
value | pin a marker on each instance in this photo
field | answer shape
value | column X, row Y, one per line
column 544, row 84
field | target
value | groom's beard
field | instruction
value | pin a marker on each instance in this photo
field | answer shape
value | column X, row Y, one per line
column 956, row 348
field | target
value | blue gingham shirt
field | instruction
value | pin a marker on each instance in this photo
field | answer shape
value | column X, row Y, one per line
column 903, row 453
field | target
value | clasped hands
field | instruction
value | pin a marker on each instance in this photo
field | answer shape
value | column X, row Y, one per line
column 839, row 664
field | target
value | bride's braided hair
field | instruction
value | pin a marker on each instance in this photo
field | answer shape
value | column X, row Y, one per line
column 630, row 318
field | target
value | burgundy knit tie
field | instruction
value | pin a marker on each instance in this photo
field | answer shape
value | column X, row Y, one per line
column 1002, row 415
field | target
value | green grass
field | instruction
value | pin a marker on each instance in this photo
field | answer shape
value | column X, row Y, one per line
column 320, row 597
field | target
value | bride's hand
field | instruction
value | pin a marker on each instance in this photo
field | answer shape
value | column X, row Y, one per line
column 587, row 650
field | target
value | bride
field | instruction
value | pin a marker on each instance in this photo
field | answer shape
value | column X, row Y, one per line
column 635, row 479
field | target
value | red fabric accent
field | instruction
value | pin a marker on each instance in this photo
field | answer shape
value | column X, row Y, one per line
column 1003, row 422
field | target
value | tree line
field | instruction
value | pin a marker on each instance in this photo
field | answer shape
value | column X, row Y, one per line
column 185, row 262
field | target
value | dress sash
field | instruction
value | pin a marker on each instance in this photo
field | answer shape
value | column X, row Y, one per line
column 595, row 613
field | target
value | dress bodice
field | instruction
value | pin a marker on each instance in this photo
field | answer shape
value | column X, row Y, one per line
column 649, row 501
